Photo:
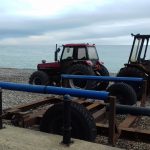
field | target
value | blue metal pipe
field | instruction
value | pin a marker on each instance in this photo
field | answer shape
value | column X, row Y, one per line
column 102, row 78
column 102, row 95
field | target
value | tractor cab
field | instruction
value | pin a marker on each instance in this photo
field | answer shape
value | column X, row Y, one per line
column 79, row 52
column 140, row 52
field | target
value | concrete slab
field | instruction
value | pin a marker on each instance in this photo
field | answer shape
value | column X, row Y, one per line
column 14, row 138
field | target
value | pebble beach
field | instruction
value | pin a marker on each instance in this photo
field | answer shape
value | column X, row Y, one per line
column 12, row 98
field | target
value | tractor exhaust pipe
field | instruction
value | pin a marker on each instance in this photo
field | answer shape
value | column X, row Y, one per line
column 56, row 52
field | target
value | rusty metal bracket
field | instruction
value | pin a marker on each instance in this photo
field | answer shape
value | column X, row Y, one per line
column 144, row 95
column 113, row 130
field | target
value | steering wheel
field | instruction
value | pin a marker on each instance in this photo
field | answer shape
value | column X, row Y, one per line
column 69, row 58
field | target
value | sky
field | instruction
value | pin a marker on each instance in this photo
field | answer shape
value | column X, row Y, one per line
column 47, row 22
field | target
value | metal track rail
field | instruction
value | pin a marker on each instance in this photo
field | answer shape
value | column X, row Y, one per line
column 29, row 115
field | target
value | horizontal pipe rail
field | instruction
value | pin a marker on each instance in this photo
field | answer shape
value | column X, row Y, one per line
column 102, row 78
column 102, row 95
column 133, row 110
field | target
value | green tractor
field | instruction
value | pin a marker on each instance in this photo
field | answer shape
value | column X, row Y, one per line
column 139, row 63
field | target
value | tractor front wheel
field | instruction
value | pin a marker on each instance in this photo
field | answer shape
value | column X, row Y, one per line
column 133, row 72
column 124, row 93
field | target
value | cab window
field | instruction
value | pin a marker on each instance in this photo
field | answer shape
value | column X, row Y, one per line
column 81, row 53
column 68, row 53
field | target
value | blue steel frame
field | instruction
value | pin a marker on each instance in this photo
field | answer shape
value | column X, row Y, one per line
column 102, row 95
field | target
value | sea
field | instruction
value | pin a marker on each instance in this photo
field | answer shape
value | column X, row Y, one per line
column 28, row 56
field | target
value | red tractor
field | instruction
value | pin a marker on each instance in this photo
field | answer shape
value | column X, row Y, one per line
column 77, row 59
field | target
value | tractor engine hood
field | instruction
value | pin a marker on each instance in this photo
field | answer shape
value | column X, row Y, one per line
column 52, row 65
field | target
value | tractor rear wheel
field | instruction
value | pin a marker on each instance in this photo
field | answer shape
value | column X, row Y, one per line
column 102, row 72
column 82, row 122
column 124, row 93
column 133, row 72
column 39, row 78
column 79, row 69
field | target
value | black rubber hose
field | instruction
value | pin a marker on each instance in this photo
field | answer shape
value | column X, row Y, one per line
column 126, row 109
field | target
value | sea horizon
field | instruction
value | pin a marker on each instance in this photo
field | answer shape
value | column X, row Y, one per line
column 28, row 56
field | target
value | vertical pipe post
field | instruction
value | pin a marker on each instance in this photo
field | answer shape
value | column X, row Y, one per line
column 67, row 121
column 144, row 91
column 1, row 123
column 112, row 124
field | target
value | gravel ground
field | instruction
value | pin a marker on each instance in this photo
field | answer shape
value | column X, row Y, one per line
column 12, row 98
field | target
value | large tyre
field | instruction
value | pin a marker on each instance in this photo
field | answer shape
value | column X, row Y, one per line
column 79, row 69
column 39, row 78
column 133, row 72
column 102, row 72
column 124, row 93
column 82, row 122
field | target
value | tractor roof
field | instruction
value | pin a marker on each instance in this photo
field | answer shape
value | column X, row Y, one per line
column 141, row 35
column 78, row 45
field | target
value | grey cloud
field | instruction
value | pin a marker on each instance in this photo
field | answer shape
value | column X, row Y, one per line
column 118, row 11
column 109, row 31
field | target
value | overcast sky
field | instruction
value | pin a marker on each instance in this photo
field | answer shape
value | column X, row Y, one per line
column 49, row 22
